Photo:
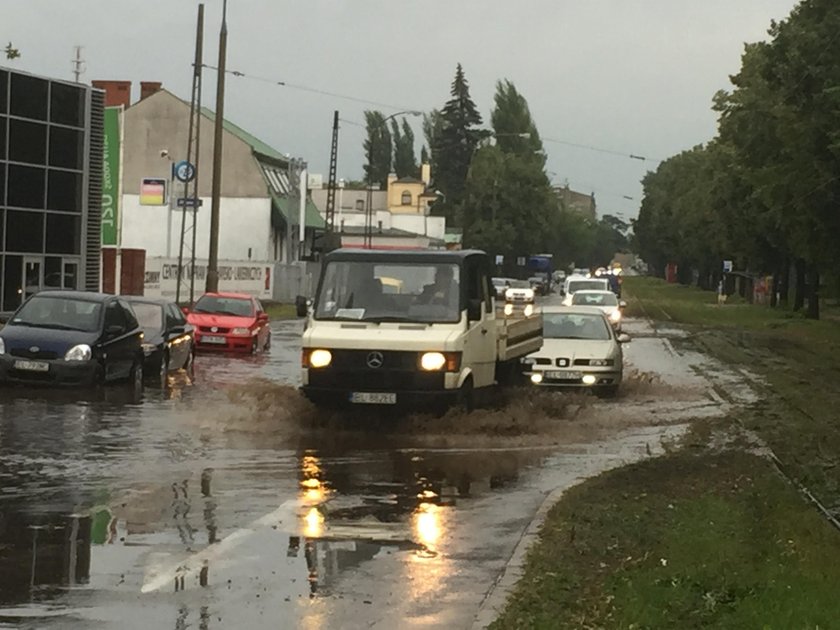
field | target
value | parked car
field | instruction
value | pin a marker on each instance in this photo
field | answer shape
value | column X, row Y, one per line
column 580, row 350
column 168, row 339
column 71, row 338
column 520, row 292
column 234, row 322
column 606, row 301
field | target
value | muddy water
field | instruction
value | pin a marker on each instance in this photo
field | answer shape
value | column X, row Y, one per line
column 228, row 501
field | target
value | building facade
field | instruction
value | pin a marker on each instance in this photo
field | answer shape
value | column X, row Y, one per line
column 50, row 186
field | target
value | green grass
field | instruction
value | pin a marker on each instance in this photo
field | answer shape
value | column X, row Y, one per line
column 689, row 540
column 281, row 311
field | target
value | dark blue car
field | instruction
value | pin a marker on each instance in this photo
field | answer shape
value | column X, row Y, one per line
column 71, row 338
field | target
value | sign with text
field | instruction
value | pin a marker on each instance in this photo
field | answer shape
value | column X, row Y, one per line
column 161, row 276
column 110, row 175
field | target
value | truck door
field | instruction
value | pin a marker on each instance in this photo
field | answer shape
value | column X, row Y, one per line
column 480, row 343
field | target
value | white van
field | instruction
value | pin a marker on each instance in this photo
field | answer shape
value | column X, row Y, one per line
column 582, row 283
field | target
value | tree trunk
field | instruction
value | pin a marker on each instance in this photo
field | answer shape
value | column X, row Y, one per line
column 799, row 289
column 784, row 284
column 813, row 292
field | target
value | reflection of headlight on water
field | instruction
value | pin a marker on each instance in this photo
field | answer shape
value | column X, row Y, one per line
column 427, row 525
column 529, row 310
column 508, row 309
column 313, row 523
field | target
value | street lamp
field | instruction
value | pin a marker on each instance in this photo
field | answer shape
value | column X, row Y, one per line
column 369, row 201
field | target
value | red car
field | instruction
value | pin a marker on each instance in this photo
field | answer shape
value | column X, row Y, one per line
column 232, row 322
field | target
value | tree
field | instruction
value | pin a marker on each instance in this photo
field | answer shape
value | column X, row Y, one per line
column 377, row 147
column 405, row 161
column 456, row 143
column 432, row 126
column 513, row 126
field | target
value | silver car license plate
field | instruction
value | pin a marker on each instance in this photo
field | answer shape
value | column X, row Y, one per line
column 32, row 366
column 212, row 339
column 557, row 375
column 371, row 398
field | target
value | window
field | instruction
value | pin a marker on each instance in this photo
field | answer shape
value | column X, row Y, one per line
column 64, row 191
column 24, row 231
column 26, row 187
column 4, row 82
column 174, row 316
column 360, row 204
column 63, row 234
column 67, row 105
column 114, row 316
column 130, row 319
column 406, row 198
column 12, row 276
column 27, row 142
column 150, row 317
column 66, row 148
column 28, row 97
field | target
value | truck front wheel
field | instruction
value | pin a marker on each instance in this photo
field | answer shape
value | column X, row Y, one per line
column 466, row 398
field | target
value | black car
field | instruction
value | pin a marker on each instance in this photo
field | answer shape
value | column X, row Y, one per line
column 168, row 340
column 71, row 338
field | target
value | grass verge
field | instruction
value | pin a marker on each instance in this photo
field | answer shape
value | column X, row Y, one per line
column 688, row 540
column 281, row 311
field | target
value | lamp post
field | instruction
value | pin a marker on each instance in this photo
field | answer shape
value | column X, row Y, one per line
column 368, row 243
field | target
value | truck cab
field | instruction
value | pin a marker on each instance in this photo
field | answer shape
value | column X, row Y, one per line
column 408, row 328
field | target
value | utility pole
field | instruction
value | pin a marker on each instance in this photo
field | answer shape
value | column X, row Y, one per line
column 194, row 114
column 331, row 182
column 212, row 284
column 78, row 64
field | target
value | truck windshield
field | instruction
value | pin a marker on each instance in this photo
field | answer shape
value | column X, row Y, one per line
column 410, row 292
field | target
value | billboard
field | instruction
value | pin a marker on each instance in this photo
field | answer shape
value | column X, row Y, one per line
column 153, row 192
column 111, row 175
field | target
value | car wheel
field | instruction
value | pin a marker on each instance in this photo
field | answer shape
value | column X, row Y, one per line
column 163, row 372
column 136, row 375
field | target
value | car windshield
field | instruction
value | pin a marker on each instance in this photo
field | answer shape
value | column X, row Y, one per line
column 60, row 313
column 220, row 305
column 588, row 298
column 499, row 282
column 411, row 292
column 587, row 285
column 575, row 326
column 149, row 315
column 520, row 284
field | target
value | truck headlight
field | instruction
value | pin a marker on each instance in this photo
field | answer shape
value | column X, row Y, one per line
column 320, row 358
column 240, row 331
column 81, row 352
column 432, row 361
column 615, row 315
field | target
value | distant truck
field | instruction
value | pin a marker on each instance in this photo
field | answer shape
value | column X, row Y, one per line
column 541, row 265
column 438, row 340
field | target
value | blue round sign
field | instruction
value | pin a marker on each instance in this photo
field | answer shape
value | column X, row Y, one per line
column 184, row 171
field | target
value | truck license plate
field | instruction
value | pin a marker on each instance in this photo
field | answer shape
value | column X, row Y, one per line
column 564, row 376
column 370, row 398
column 32, row 366
column 211, row 339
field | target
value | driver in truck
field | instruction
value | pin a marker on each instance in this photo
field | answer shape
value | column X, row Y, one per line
column 444, row 290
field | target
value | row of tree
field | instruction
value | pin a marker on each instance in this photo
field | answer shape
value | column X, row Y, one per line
column 765, row 192
column 492, row 182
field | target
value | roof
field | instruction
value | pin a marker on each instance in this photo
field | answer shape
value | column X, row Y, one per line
column 286, row 210
column 409, row 180
column 422, row 256
column 257, row 145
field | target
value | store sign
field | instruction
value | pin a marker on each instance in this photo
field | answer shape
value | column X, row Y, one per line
column 111, row 176
column 153, row 192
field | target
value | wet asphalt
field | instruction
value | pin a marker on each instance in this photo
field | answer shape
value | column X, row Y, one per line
column 176, row 508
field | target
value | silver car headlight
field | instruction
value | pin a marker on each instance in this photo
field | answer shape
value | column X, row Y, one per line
column 82, row 352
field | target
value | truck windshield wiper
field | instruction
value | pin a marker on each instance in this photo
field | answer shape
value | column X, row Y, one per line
column 390, row 318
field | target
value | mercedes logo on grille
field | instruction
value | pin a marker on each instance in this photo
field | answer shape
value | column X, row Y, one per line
column 375, row 360
column 34, row 349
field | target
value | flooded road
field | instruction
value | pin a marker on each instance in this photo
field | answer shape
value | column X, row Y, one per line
column 226, row 501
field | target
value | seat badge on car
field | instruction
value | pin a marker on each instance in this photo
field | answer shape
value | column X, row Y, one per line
column 375, row 360
column 214, row 329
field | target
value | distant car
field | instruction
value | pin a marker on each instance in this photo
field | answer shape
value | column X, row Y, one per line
column 606, row 301
column 500, row 285
column 233, row 322
column 71, row 338
column 168, row 339
column 574, row 284
column 539, row 285
column 580, row 350
column 520, row 292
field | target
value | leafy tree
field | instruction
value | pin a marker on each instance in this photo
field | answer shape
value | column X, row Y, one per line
column 513, row 126
column 377, row 147
column 456, row 143
column 405, row 161
column 432, row 126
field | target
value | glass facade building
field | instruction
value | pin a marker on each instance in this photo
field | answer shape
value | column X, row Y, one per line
column 50, row 186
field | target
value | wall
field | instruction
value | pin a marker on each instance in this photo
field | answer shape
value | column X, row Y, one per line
column 299, row 278
column 239, row 276
column 243, row 223
column 161, row 121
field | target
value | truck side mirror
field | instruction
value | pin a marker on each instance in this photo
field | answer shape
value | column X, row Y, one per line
column 301, row 306
column 474, row 310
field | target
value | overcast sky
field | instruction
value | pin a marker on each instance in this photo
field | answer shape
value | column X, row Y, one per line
column 632, row 76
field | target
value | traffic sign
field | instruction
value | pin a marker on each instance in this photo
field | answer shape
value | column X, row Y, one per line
column 189, row 202
column 727, row 266
column 184, row 171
